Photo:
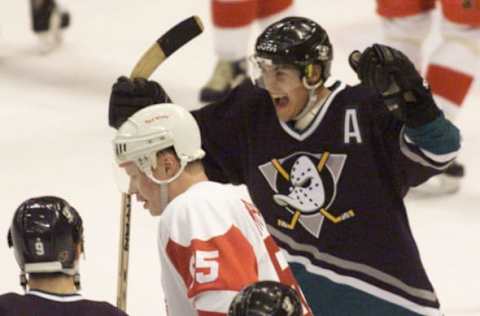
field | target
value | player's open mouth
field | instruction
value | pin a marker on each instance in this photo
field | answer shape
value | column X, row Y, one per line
column 280, row 101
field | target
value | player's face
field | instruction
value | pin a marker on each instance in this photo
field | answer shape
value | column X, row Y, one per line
column 144, row 189
column 290, row 104
column 284, row 84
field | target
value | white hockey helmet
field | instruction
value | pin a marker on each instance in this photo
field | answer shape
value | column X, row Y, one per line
column 156, row 128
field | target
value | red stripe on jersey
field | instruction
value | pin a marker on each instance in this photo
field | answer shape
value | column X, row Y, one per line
column 448, row 83
column 463, row 12
column 233, row 13
column 204, row 313
column 225, row 262
column 403, row 8
column 271, row 7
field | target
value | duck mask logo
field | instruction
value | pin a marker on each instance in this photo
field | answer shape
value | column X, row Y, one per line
column 305, row 185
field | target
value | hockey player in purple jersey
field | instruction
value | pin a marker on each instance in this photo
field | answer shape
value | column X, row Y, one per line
column 47, row 238
column 328, row 164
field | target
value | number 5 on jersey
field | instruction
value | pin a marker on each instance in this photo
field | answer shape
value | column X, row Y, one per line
column 204, row 266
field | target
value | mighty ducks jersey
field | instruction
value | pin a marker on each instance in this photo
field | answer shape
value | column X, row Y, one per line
column 213, row 242
column 37, row 302
column 332, row 194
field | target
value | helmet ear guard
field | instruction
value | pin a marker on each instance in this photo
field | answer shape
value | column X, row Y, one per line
column 313, row 78
column 308, row 72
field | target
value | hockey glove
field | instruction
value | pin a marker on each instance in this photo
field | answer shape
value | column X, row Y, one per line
column 395, row 78
column 128, row 96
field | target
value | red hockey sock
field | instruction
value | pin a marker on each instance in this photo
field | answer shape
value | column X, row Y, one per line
column 231, row 14
column 448, row 83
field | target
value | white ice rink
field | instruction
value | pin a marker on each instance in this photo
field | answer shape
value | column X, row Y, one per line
column 54, row 138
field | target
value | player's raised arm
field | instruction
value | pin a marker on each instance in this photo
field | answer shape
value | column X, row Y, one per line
column 429, row 138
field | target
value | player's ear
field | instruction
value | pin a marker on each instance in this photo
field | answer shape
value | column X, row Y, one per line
column 167, row 164
column 172, row 164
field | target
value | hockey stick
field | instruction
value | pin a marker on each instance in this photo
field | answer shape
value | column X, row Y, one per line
column 166, row 45
column 123, row 251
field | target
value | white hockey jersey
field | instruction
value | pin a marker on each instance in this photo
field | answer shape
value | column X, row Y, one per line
column 212, row 243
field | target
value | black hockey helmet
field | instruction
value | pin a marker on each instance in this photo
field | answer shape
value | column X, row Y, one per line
column 44, row 234
column 266, row 298
column 296, row 41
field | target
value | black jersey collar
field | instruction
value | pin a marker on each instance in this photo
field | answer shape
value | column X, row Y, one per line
column 56, row 297
column 302, row 135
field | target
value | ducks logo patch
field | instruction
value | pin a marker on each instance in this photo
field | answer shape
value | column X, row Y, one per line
column 305, row 185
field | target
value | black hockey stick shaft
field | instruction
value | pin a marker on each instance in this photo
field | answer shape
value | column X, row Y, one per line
column 166, row 45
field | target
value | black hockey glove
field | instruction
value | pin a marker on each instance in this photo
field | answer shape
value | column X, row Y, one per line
column 128, row 96
column 394, row 76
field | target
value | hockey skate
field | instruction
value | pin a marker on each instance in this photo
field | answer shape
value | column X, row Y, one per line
column 225, row 77
column 48, row 22
column 448, row 182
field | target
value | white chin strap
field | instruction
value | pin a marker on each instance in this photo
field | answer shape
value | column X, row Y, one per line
column 305, row 117
column 163, row 196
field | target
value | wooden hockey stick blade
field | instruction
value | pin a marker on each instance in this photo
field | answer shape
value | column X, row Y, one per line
column 124, row 249
column 166, row 45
